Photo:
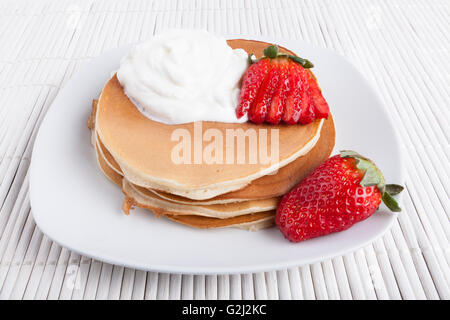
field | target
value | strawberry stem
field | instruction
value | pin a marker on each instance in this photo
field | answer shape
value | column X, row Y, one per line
column 271, row 52
column 251, row 58
column 374, row 177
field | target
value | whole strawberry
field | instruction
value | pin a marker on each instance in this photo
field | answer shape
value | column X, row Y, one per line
column 344, row 190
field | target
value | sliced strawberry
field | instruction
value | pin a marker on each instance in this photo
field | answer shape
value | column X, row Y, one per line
column 279, row 98
column 280, row 87
column 292, row 108
column 320, row 105
column 251, row 82
column 307, row 115
column 258, row 109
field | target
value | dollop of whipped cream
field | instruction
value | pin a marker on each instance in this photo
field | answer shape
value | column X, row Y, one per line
column 183, row 76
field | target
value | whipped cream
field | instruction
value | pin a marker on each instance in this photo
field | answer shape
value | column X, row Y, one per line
column 184, row 76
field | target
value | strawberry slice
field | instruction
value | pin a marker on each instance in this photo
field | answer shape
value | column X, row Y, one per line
column 258, row 109
column 279, row 98
column 293, row 106
column 308, row 114
column 320, row 105
column 251, row 82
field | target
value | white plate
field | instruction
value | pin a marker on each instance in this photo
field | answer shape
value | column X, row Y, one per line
column 76, row 206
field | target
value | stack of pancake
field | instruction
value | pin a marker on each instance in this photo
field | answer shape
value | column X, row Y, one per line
column 135, row 152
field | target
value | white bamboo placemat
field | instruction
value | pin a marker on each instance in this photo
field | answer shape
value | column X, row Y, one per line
column 403, row 49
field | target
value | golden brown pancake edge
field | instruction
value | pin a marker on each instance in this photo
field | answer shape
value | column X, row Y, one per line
column 252, row 221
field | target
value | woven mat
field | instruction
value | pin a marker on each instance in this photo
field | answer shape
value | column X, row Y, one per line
column 402, row 48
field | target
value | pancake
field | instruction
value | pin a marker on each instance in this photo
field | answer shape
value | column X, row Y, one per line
column 107, row 157
column 151, row 201
column 90, row 123
column 276, row 184
column 110, row 173
column 143, row 148
column 265, row 187
column 251, row 222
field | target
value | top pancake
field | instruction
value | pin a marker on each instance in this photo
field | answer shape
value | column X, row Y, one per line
column 274, row 185
column 143, row 147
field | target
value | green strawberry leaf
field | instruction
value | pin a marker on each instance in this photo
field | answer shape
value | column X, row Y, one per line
column 393, row 189
column 271, row 51
column 350, row 154
column 305, row 63
column 390, row 202
column 374, row 177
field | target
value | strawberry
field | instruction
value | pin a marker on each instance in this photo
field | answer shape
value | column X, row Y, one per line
column 260, row 106
column 251, row 82
column 345, row 189
column 307, row 114
column 320, row 105
column 276, row 108
column 293, row 106
column 272, row 88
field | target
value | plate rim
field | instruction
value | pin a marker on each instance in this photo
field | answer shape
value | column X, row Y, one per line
column 260, row 267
